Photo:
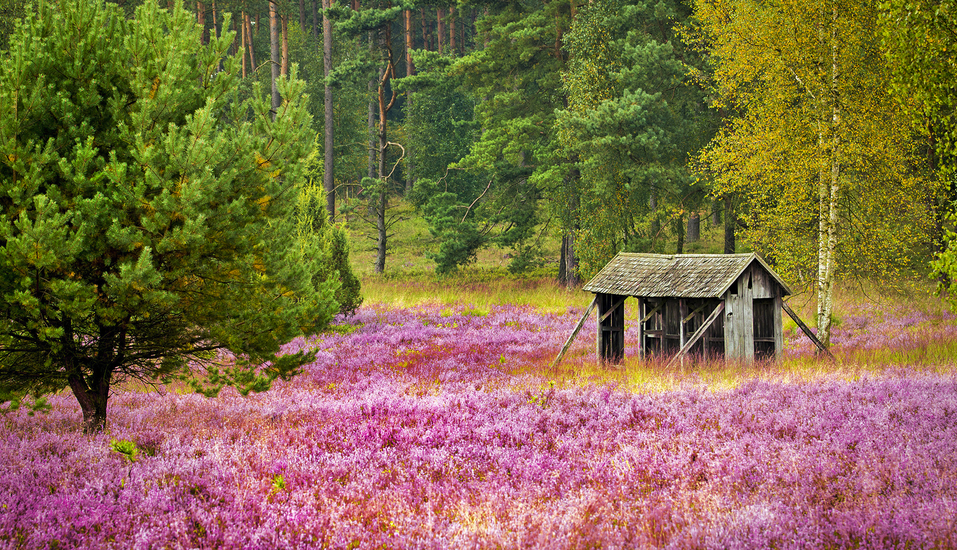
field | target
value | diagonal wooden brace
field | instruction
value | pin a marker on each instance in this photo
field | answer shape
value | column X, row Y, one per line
column 787, row 309
column 578, row 328
column 697, row 334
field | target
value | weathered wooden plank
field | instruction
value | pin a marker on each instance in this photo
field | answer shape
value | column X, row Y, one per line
column 652, row 312
column 575, row 332
column 778, row 326
column 612, row 310
column 641, row 329
column 698, row 333
column 807, row 331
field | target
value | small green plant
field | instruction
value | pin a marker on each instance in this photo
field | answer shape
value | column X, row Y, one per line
column 544, row 397
column 278, row 483
column 126, row 448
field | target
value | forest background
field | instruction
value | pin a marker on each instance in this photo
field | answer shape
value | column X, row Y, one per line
column 817, row 134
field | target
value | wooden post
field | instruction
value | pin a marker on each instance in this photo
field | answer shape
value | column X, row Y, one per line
column 575, row 332
column 682, row 313
column 778, row 324
column 641, row 314
column 610, row 337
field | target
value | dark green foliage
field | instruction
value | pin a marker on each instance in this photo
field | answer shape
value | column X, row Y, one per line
column 459, row 237
column 336, row 247
column 633, row 120
column 515, row 81
column 146, row 211
column 311, row 223
column 441, row 128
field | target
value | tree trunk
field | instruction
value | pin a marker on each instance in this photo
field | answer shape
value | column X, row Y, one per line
column 328, row 174
column 729, row 220
column 425, row 29
column 409, row 70
column 452, row 30
column 382, row 199
column 569, row 271
column 242, row 39
column 373, row 157
column 409, row 46
column 680, row 230
column 694, row 227
column 274, row 56
column 385, row 105
column 440, row 29
column 92, row 398
column 302, row 16
column 829, row 190
column 249, row 43
column 284, row 68
column 201, row 21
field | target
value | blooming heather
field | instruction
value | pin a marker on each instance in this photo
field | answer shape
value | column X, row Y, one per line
column 420, row 428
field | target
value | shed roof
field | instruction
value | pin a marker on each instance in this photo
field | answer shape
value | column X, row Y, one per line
column 675, row 276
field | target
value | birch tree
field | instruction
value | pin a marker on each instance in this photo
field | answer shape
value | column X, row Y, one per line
column 818, row 150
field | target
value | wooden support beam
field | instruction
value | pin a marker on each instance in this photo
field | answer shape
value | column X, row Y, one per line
column 807, row 331
column 695, row 312
column 575, row 332
column 652, row 312
column 612, row 310
column 698, row 334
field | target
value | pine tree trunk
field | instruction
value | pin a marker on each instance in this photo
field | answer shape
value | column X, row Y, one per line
column 373, row 139
column 328, row 175
column 201, row 21
column 409, row 70
column 274, row 56
column 242, row 39
column 249, row 44
column 440, row 24
column 452, row 30
column 729, row 220
column 425, row 29
column 284, row 68
column 384, row 107
column 570, row 259
column 382, row 202
column 93, row 400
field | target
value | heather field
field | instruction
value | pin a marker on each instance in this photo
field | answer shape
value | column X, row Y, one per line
column 429, row 424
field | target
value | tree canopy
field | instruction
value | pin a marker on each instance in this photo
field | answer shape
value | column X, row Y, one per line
column 817, row 145
column 146, row 208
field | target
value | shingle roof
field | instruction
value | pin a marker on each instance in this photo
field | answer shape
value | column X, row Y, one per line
column 674, row 276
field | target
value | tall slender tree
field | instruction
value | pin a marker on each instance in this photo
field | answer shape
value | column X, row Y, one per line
column 819, row 149
column 328, row 174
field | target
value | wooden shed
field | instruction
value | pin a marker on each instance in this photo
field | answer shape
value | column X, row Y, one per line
column 704, row 304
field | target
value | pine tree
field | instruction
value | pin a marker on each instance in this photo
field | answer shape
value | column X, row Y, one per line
column 146, row 210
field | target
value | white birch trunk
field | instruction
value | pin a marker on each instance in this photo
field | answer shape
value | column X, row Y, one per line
column 829, row 194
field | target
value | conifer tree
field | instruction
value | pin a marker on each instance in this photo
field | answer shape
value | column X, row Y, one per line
column 146, row 211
